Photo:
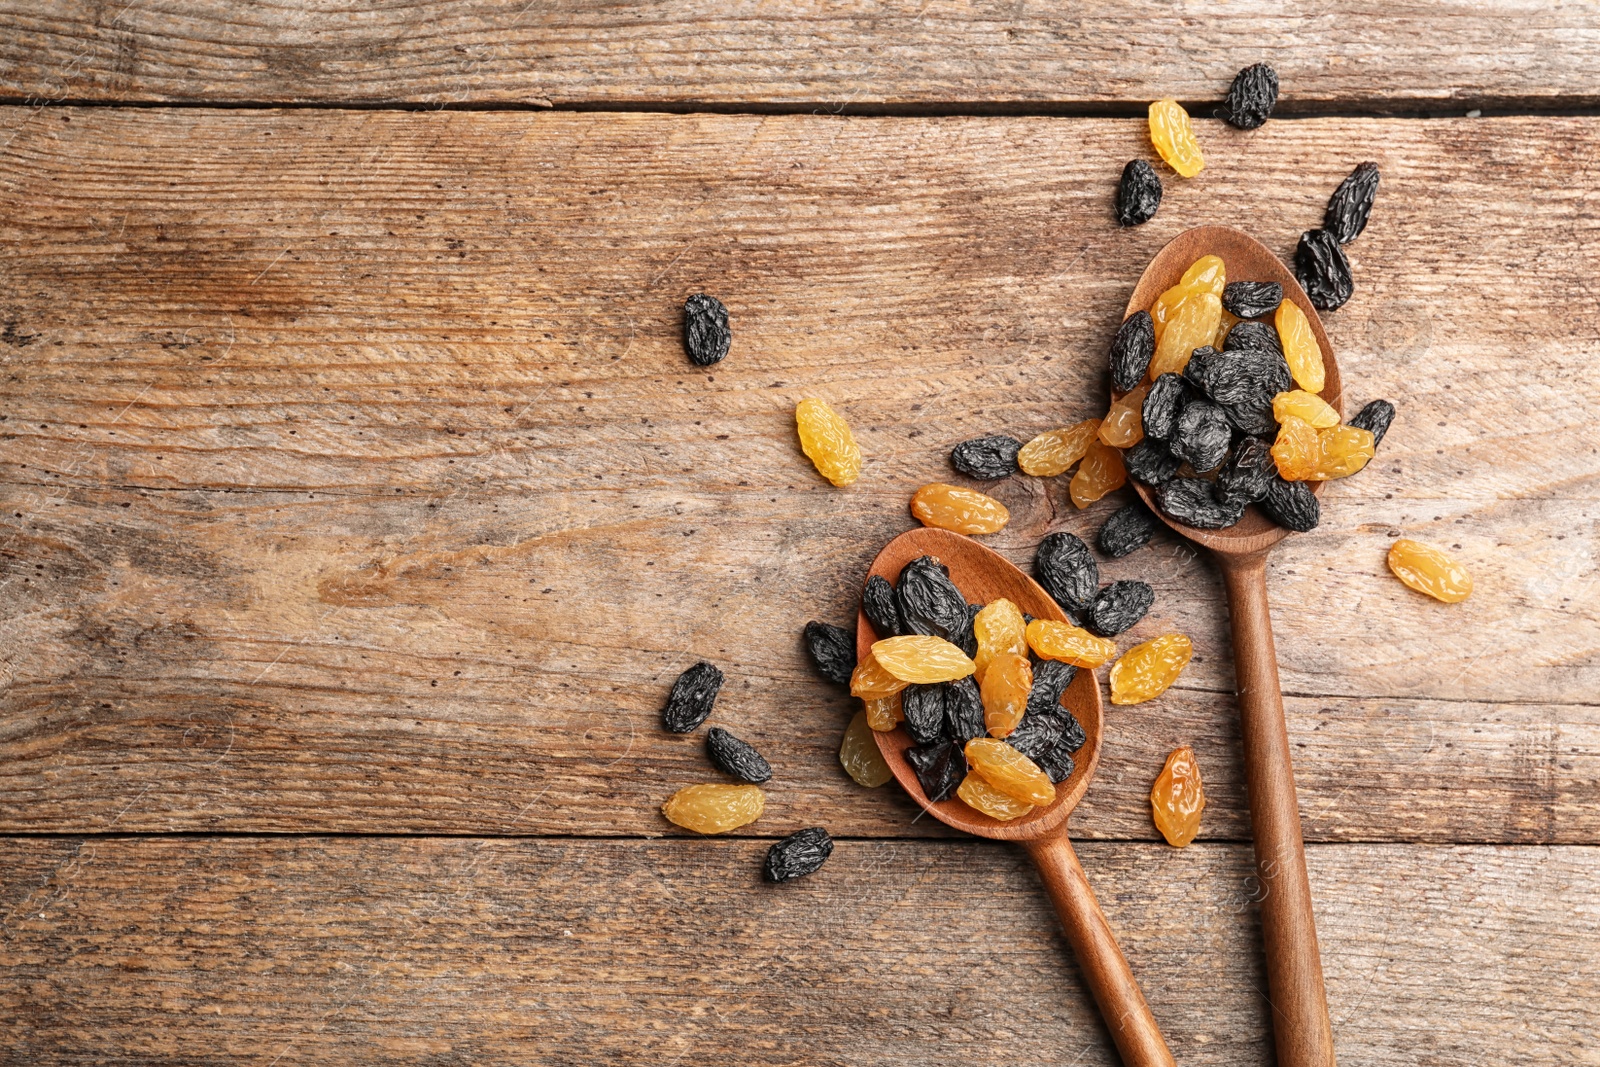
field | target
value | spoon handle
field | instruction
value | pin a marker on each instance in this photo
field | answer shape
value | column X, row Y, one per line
column 1104, row 967
column 1303, row 1035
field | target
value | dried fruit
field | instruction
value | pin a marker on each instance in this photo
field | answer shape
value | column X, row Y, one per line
column 940, row 769
column 1131, row 350
column 1308, row 406
column 1178, row 798
column 964, row 638
column 1341, row 452
column 1428, row 570
column 1191, row 502
column 870, row 681
column 1129, row 527
column 859, row 754
column 1296, row 450
column 883, row 711
column 882, row 610
column 1119, row 605
column 998, row 628
column 1291, row 505
column 922, row 708
column 1150, row 463
column 1053, row 451
column 1123, row 425
column 1249, row 471
column 1323, row 270
column 1351, row 203
column 1243, row 381
column 1069, row 644
column 929, row 601
column 1251, row 300
column 1009, row 771
column 736, row 757
column 1225, row 325
column 1202, row 435
column 827, row 441
column 950, row 507
column 986, row 458
column 1146, row 670
column 1100, row 472
column 1058, row 762
column 1073, row 737
column 1249, row 335
column 714, row 809
column 1300, row 347
column 1173, row 138
column 1251, row 97
column 833, row 650
column 1193, row 325
column 1067, row 571
column 691, row 698
column 1208, row 274
column 706, row 336
column 1138, row 194
column 802, row 852
column 1375, row 419
column 1050, row 680
column 1159, row 415
column 1005, row 689
column 982, row 797
column 1039, row 732
column 963, row 710
column 921, row 659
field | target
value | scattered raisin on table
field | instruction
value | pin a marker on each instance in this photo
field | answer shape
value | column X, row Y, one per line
column 1191, row 502
column 880, row 607
column 1308, row 406
column 691, row 699
column 827, row 441
column 1202, row 435
column 923, row 709
column 1147, row 670
column 940, row 768
column 980, row 796
column 1173, row 137
column 1291, row 505
column 1069, row 644
column 1123, row 425
column 1428, row 570
column 963, row 710
column 1138, row 194
column 735, row 757
column 1323, row 270
column 1119, row 605
column 714, row 809
column 1010, row 771
column 1150, row 463
column 1159, row 415
column 1129, row 527
column 986, row 458
column 1375, row 419
column 1251, row 300
column 1100, row 472
column 833, row 650
column 706, row 336
column 802, row 852
column 1299, row 345
column 921, row 659
column 1178, row 798
column 860, row 756
column 929, row 602
column 1351, row 203
column 1244, row 479
column 1253, row 335
column 1053, row 451
column 1251, row 97
column 1132, row 349
column 998, row 627
column 1067, row 572
column 965, row 511
column 1005, row 688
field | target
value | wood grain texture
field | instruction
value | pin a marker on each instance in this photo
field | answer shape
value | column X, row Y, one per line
column 452, row 950
column 354, row 478
column 1332, row 53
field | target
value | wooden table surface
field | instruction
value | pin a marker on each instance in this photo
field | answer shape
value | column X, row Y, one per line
column 358, row 507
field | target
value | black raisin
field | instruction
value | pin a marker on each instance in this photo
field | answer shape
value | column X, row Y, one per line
column 966, row 639
column 1190, row 501
column 833, row 650
column 963, row 710
column 923, row 708
column 706, row 336
column 1036, row 734
column 1251, row 300
column 1138, row 194
column 1323, row 270
column 1248, row 472
column 1119, row 605
column 1166, row 398
column 1149, row 462
column 940, row 768
column 1072, row 736
column 1291, row 505
column 801, row 853
column 736, row 757
column 1243, row 381
column 1132, row 349
column 1351, row 203
column 986, row 458
column 1067, row 571
column 691, row 698
column 1253, row 335
column 930, row 604
column 1202, row 436
column 881, row 608
column 1251, row 97
column 1375, row 419
column 1128, row 528
column 1050, row 680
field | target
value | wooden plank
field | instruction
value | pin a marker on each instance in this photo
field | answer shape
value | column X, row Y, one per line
column 431, row 950
column 1335, row 53
column 354, row 477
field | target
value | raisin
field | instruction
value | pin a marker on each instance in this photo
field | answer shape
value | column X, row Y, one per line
column 1291, row 505
column 714, row 809
column 1375, row 419
column 880, row 607
column 1296, row 450
column 1038, row 734
column 982, row 797
column 965, row 511
column 1146, row 671
column 1243, row 381
column 1251, row 300
column 986, row 458
column 1129, row 527
column 1050, row 680
column 1067, row 571
column 1248, row 335
column 1053, row 451
column 929, row 602
column 1323, row 270
column 1202, row 435
column 1119, row 605
column 802, row 852
column 923, row 709
column 691, row 698
column 1150, row 463
column 1100, row 472
column 1123, row 425
column 963, row 710
column 1159, row 415
column 964, row 638
column 1173, row 138
column 998, row 628
column 1225, row 325
column 1308, row 406
column 1251, row 97
column 1351, row 203
column 921, row 659
column 1191, row 502
column 1132, row 349
column 1138, row 194
column 827, row 441
column 1300, row 348
column 1178, row 798
column 870, row 681
column 706, row 336
column 940, row 769
column 1005, row 688
column 1193, row 326
column 1072, row 736
column 1428, row 570
column 1058, row 762
column 1069, row 644
column 1009, row 771
column 882, row 710
column 1247, row 474
column 1208, row 274
column 736, row 757
column 859, row 754
column 833, row 650
column 1341, row 452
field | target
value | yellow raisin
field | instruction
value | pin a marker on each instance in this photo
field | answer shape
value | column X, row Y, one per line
column 859, row 755
column 1208, row 274
column 1009, row 771
column 1005, row 689
column 1428, row 570
column 1100, row 472
column 983, row 797
column 1228, row 321
column 827, row 441
column 1300, row 347
column 1146, row 670
column 869, row 679
column 1297, row 450
column 882, row 712
column 1308, row 406
column 1173, row 138
column 1123, row 425
column 1178, row 798
column 920, row 659
column 1192, row 326
column 1341, row 452
column 1053, row 451
column 714, row 809
column 1069, row 644
column 998, row 628
column 950, row 507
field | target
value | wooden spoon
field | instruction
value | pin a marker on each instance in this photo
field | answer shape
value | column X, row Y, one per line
column 1301, row 1029
column 982, row 576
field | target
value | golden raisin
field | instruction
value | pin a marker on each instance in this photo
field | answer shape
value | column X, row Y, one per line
column 1123, row 425
column 1297, row 450
column 998, row 628
column 869, row 679
column 983, row 797
column 1208, row 274
column 1341, row 452
column 1069, row 644
column 1005, row 689
column 859, row 755
column 1428, row 570
column 1100, row 472
column 1300, row 347
column 1053, row 451
column 1308, row 406
column 1173, row 138
column 1178, row 798
column 1010, row 771
column 1146, row 670
column 882, row 713
column 966, row 511
column 920, row 659
column 827, row 441
column 714, row 809
column 1193, row 325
